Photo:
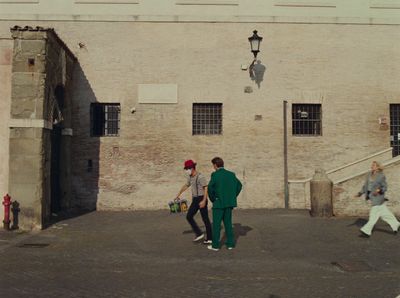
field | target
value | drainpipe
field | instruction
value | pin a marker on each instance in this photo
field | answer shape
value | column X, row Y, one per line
column 285, row 155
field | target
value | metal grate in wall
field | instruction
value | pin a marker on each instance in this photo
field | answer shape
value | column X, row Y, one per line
column 207, row 119
column 306, row 120
column 105, row 119
column 395, row 128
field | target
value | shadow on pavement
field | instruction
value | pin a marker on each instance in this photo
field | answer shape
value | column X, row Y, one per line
column 359, row 222
column 390, row 232
column 64, row 215
column 239, row 231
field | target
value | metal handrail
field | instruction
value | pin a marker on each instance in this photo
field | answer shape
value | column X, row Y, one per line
column 385, row 163
column 346, row 165
column 358, row 161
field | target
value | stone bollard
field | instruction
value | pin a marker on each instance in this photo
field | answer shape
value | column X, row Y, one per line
column 321, row 194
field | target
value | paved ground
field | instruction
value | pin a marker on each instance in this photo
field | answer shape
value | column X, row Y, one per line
column 150, row 254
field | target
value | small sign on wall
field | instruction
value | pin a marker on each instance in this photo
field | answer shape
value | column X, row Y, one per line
column 383, row 123
column 383, row 120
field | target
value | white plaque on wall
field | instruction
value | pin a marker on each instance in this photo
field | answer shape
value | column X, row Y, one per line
column 158, row 93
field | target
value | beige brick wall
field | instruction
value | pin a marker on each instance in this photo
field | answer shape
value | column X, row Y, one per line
column 351, row 70
column 342, row 67
column 305, row 11
column 5, row 95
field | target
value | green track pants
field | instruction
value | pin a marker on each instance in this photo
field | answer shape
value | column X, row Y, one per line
column 225, row 215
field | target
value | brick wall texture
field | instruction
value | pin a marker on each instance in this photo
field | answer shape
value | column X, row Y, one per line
column 5, row 94
column 351, row 70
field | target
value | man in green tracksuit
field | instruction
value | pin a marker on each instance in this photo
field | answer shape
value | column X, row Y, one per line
column 223, row 189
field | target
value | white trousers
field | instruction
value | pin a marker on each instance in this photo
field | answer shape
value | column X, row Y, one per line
column 383, row 212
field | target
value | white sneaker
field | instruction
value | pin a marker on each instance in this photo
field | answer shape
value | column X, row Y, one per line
column 230, row 248
column 212, row 248
column 198, row 238
column 207, row 242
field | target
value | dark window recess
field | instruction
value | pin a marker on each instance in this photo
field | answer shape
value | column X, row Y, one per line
column 395, row 128
column 89, row 165
column 306, row 120
column 105, row 119
column 207, row 119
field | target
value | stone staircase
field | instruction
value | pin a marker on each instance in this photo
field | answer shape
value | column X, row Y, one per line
column 347, row 180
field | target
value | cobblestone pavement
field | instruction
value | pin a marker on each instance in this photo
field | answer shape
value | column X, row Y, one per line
column 151, row 254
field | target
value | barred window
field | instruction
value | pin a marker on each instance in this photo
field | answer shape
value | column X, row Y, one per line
column 306, row 119
column 395, row 128
column 105, row 119
column 207, row 119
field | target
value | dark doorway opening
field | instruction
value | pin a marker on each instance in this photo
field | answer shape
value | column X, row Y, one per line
column 56, row 156
column 55, row 203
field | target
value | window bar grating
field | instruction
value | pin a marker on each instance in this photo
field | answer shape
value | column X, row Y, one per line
column 207, row 119
column 395, row 129
column 105, row 119
column 306, row 120
column 112, row 120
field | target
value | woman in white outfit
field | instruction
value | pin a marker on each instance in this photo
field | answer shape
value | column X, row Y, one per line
column 374, row 189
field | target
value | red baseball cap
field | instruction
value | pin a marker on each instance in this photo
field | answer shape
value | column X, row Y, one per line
column 189, row 164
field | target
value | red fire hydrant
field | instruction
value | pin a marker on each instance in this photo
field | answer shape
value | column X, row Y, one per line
column 6, row 203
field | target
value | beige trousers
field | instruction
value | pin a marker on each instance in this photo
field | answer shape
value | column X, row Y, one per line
column 383, row 212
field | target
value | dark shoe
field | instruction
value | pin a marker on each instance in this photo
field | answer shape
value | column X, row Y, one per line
column 363, row 235
column 395, row 233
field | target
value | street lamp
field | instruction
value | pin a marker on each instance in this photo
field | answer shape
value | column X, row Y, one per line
column 255, row 41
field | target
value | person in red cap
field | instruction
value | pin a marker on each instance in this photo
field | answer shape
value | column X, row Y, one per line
column 198, row 183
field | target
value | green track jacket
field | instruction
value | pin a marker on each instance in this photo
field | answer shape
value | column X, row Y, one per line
column 223, row 188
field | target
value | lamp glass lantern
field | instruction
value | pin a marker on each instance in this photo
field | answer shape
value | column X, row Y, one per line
column 255, row 42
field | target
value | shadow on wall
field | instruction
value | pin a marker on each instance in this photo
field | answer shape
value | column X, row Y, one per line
column 85, row 148
column 257, row 71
